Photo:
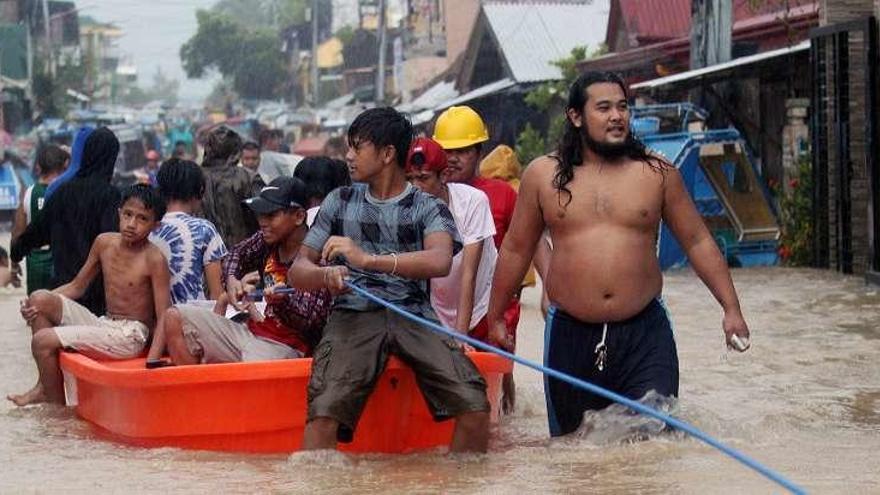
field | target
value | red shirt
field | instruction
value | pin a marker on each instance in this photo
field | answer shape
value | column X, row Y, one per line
column 502, row 199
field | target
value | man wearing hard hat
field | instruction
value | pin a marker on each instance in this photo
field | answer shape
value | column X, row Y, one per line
column 461, row 132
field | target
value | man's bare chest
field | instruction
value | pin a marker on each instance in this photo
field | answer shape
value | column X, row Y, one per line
column 622, row 198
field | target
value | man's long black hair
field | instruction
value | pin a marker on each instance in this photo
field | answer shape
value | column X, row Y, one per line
column 569, row 153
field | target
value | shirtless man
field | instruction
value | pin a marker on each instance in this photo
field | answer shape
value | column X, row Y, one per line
column 602, row 196
column 136, row 285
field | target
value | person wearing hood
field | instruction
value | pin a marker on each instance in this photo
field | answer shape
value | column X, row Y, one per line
column 227, row 186
column 81, row 206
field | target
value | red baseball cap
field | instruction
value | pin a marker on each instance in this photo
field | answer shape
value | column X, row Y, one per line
column 425, row 154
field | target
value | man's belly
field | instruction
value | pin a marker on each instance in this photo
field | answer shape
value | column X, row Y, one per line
column 604, row 278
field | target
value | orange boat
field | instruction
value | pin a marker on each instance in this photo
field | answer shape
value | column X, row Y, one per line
column 249, row 407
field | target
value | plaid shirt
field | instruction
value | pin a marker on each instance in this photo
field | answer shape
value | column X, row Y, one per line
column 396, row 225
column 303, row 313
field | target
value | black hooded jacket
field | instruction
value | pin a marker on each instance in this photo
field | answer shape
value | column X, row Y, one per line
column 76, row 214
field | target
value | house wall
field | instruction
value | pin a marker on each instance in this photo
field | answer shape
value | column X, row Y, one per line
column 460, row 16
column 833, row 12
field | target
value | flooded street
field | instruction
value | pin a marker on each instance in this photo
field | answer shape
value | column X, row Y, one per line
column 805, row 400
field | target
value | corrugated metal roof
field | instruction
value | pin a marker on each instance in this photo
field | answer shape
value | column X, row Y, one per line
column 737, row 62
column 480, row 92
column 532, row 35
column 436, row 94
column 657, row 20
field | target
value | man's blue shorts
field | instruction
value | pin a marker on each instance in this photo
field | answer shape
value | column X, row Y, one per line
column 640, row 357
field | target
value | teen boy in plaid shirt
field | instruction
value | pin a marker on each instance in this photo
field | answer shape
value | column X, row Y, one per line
column 388, row 237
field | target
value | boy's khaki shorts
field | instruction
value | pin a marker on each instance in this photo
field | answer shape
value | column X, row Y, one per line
column 103, row 337
column 353, row 353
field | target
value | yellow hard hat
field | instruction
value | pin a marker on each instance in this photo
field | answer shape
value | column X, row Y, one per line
column 459, row 127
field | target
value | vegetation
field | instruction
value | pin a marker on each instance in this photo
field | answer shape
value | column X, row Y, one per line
column 796, row 216
column 250, row 58
column 550, row 98
column 244, row 40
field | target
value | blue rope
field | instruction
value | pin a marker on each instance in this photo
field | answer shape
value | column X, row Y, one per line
column 634, row 405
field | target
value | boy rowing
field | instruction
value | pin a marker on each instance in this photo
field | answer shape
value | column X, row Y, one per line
column 136, row 286
column 390, row 238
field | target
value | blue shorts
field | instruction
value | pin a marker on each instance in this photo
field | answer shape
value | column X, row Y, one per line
column 640, row 356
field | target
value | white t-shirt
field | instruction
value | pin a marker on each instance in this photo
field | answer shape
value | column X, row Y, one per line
column 473, row 219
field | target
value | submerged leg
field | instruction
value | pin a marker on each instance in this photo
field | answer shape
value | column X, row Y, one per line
column 508, row 396
column 320, row 433
column 471, row 433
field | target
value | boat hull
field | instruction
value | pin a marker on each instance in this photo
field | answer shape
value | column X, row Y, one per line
column 250, row 407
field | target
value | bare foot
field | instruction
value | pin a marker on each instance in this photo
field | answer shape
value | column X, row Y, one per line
column 508, row 396
column 35, row 395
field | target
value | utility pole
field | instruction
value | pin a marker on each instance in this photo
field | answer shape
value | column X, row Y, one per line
column 711, row 32
column 380, row 70
column 48, row 38
column 316, row 90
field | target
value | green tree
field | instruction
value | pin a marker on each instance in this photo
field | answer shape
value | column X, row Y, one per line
column 250, row 58
column 275, row 14
column 550, row 98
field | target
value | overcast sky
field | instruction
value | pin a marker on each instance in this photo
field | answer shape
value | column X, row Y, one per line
column 154, row 32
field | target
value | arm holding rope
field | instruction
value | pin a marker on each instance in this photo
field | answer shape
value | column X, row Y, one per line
column 433, row 261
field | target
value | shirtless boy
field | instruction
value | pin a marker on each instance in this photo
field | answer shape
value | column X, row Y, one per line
column 136, row 285
column 602, row 196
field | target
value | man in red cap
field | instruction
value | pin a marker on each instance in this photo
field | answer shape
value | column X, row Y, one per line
column 461, row 132
column 461, row 298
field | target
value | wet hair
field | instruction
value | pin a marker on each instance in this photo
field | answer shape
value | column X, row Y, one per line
column 223, row 144
column 569, row 153
column 321, row 175
column 250, row 146
column 147, row 195
column 180, row 180
column 51, row 158
column 383, row 126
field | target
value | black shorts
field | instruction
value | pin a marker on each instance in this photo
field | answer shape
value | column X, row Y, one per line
column 353, row 353
column 640, row 357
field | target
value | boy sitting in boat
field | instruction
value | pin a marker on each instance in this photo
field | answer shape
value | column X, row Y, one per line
column 293, row 320
column 391, row 238
column 192, row 245
column 136, row 288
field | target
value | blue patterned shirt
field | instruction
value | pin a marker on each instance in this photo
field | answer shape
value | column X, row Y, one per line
column 189, row 244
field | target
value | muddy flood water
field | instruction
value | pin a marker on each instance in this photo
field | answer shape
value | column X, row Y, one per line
column 805, row 400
